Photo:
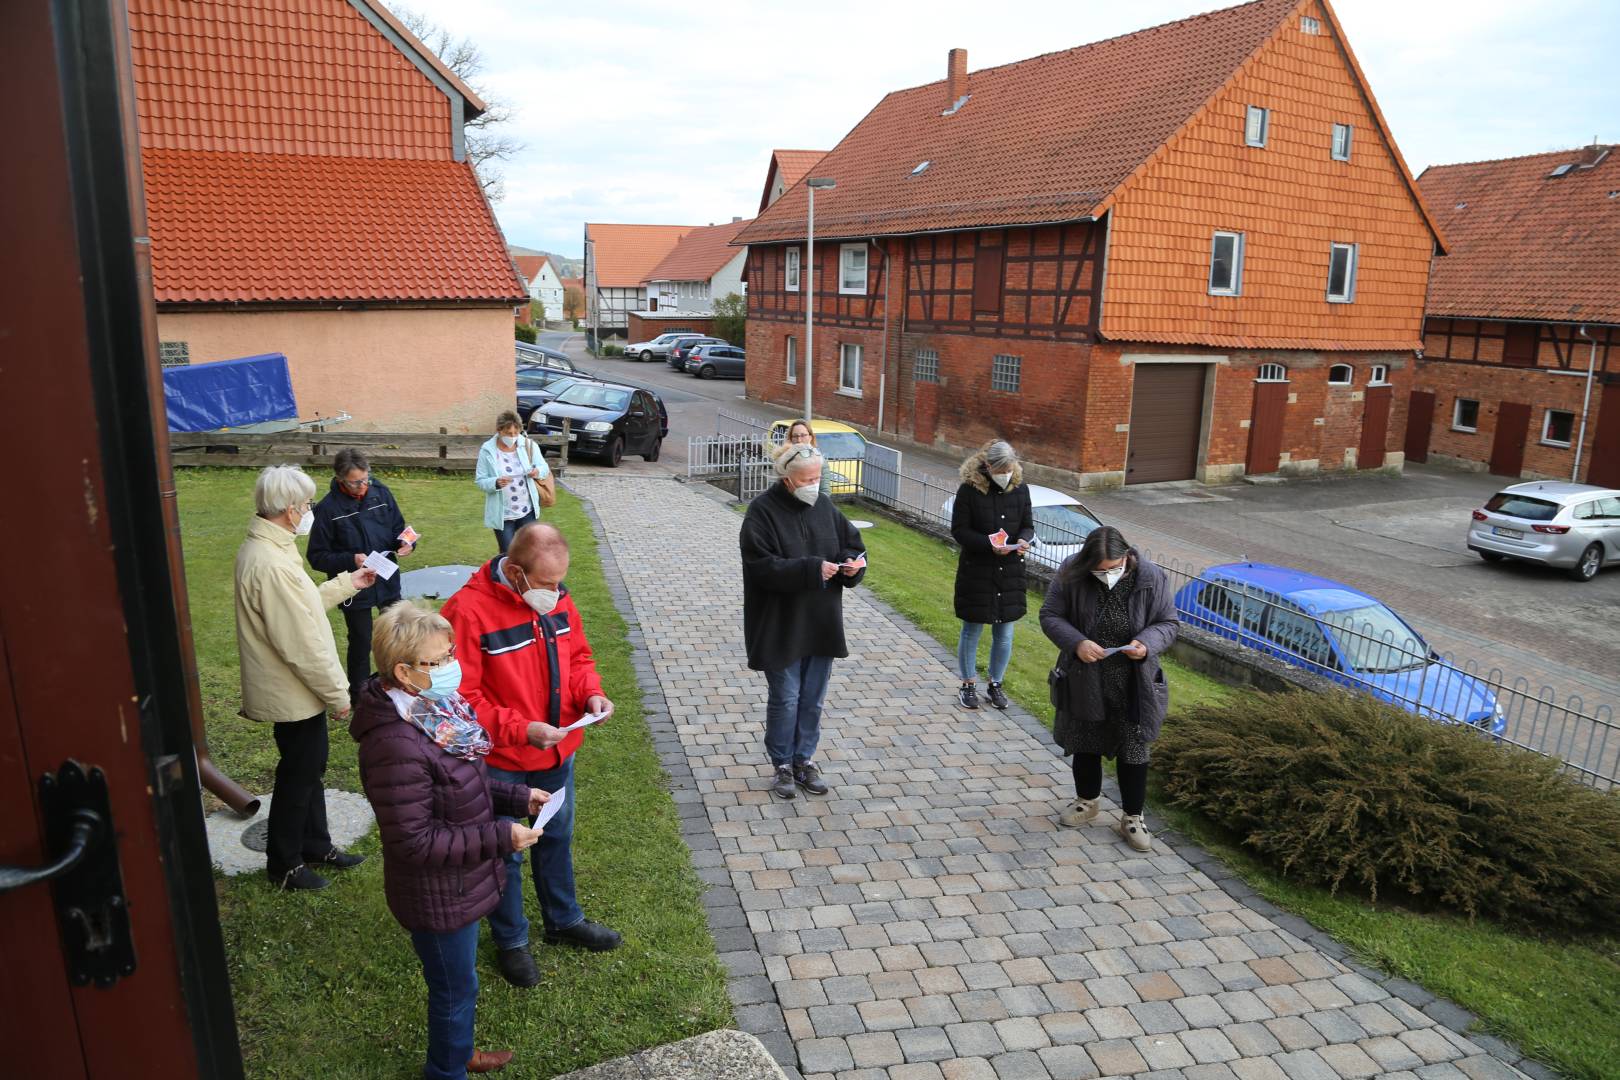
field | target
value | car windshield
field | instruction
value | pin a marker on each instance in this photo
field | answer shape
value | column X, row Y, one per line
column 841, row 445
column 1522, row 506
column 1374, row 641
column 594, row 397
column 537, row 378
column 1063, row 524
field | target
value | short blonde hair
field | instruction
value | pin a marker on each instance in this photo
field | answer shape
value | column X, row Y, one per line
column 399, row 634
column 280, row 488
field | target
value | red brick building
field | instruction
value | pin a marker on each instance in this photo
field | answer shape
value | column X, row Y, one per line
column 1521, row 358
column 1189, row 252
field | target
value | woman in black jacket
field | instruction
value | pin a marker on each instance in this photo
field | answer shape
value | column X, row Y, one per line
column 358, row 516
column 993, row 522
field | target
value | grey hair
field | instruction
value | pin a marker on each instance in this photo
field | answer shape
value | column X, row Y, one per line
column 348, row 459
column 797, row 458
column 999, row 452
column 280, row 488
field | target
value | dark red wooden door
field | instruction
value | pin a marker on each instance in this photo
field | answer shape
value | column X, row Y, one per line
column 1374, row 428
column 1603, row 467
column 1507, row 448
column 1266, row 427
column 1419, row 425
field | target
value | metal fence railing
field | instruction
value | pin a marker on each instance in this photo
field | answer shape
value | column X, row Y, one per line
column 730, row 423
column 720, row 455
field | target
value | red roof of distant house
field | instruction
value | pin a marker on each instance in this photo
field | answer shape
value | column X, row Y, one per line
column 623, row 255
column 1527, row 245
column 792, row 166
column 1042, row 140
column 700, row 254
column 573, row 283
column 529, row 266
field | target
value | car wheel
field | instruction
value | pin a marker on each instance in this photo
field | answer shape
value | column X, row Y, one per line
column 657, row 447
column 1591, row 561
column 1491, row 556
column 706, row 372
column 646, row 354
column 615, row 453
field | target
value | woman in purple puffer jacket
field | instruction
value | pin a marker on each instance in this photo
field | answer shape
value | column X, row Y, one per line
column 422, row 763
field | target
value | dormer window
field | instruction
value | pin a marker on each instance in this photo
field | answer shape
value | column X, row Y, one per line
column 1256, row 126
column 921, row 168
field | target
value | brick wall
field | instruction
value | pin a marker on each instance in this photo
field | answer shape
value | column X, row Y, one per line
column 1490, row 385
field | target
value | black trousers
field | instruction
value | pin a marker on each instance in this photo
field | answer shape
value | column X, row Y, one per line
column 298, row 804
column 1088, row 778
column 357, row 661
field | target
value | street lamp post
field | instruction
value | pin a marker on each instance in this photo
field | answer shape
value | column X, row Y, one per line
column 810, row 292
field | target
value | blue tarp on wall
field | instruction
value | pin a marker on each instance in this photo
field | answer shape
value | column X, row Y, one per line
column 229, row 393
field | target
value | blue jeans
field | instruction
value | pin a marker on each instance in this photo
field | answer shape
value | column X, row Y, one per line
column 793, row 711
column 449, row 969
column 551, row 861
column 967, row 650
column 504, row 534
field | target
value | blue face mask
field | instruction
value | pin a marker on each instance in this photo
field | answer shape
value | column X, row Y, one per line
column 446, row 681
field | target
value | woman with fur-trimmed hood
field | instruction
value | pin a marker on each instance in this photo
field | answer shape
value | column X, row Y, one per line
column 993, row 523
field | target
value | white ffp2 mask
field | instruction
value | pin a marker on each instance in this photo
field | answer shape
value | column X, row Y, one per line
column 1109, row 578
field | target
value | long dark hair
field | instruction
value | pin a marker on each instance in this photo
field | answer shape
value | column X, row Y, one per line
column 1103, row 543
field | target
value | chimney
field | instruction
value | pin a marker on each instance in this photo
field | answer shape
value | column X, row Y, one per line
column 955, row 80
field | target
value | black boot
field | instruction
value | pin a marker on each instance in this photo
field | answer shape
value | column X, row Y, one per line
column 586, row 935
column 517, row 967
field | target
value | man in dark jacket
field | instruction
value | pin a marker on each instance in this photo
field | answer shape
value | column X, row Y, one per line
column 799, row 554
column 358, row 516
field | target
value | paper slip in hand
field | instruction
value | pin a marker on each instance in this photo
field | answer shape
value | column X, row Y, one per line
column 549, row 811
column 998, row 538
column 857, row 562
column 409, row 536
column 585, row 721
column 385, row 567
column 1118, row 649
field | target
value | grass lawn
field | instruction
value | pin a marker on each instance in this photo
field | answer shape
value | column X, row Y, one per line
column 1558, row 1001
column 326, row 984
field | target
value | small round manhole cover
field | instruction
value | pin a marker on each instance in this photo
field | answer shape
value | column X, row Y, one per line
column 859, row 524
column 256, row 837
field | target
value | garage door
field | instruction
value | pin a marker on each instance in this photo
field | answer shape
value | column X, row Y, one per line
column 1167, row 413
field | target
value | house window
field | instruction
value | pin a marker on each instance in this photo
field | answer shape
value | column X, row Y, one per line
column 1272, row 373
column 925, row 366
column 1557, row 427
column 1308, row 25
column 792, row 359
column 1256, row 126
column 793, row 270
column 1226, row 264
column 1006, row 372
column 1465, row 415
column 987, row 274
column 1380, row 375
column 1341, row 286
column 174, row 353
column 1341, row 375
column 1341, row 142
column 849, row 370
column 852, row 269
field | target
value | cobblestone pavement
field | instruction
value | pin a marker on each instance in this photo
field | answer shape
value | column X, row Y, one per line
column 928, row 920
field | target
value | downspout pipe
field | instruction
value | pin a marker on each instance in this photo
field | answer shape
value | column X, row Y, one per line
column 1586, row 404
column 883, row 368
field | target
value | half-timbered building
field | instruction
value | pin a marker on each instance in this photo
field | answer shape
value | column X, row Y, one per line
column 1192, row 252
column 1520, row 371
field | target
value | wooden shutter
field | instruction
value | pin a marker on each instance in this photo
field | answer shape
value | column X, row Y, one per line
column 987, row 274
column 1519, row 350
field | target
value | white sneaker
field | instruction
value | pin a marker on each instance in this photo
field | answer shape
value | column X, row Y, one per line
column 1077, row 813
column 1134, row 831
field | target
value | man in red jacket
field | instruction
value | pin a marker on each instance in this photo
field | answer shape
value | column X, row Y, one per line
column 526, row 668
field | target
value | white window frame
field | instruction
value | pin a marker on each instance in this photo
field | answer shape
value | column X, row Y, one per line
column 792, row 359
column 1334, row 152
column 1354, row 253
column 1380, row 375
column 1011, row 371
column 1546, row 426
column 1270, row 373
column 1456, row 416
column 1349, row 380
column 1249, row 115
column 1309, row 25
column 845, row 269
column 1236, row 286
column 844, row 354
column 794, row 264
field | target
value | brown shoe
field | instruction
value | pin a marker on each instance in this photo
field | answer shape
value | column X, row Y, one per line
column 484, row 1061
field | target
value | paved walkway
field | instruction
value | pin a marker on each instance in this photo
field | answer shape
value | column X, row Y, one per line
column 928, row 921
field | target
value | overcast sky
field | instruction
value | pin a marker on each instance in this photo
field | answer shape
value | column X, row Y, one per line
column 667, row 113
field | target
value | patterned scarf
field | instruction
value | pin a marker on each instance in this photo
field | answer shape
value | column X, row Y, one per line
column 452, row 724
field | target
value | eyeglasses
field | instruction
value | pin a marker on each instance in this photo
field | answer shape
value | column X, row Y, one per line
column 433, row 665
column 803, row 452
column 356, row 485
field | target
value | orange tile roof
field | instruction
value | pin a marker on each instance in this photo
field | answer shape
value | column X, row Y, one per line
column 792, row 166
column 700, row 254
column 573, row 283
column 1524, row 245
column 529, row 266
column 623, row 255
column 278, row 228
column 1041, row 140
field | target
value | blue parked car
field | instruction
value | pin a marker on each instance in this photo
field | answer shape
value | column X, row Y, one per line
column 1337, row 632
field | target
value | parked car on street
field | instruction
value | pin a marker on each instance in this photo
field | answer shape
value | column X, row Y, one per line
column 606, row 420
column 538, row 385
column 679, row 350
column 707, row 361
column 1573, row 527
column 1336, row 632
column 539, row 354
column 842, row 446
column 1062, row 524
column 658, row 346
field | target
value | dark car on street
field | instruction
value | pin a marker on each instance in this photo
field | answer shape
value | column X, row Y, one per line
column 539, row 354
column 678, row 352
column 606, row 420
column 707, row 361
column 538, row 385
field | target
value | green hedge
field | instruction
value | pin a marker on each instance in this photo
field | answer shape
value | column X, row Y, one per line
column 524, row 333
column 1342, row 790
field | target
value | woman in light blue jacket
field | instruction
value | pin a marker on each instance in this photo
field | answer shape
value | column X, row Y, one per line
column 509, row 470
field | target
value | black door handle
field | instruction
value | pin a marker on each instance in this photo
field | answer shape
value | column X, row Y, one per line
column 85, row 831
